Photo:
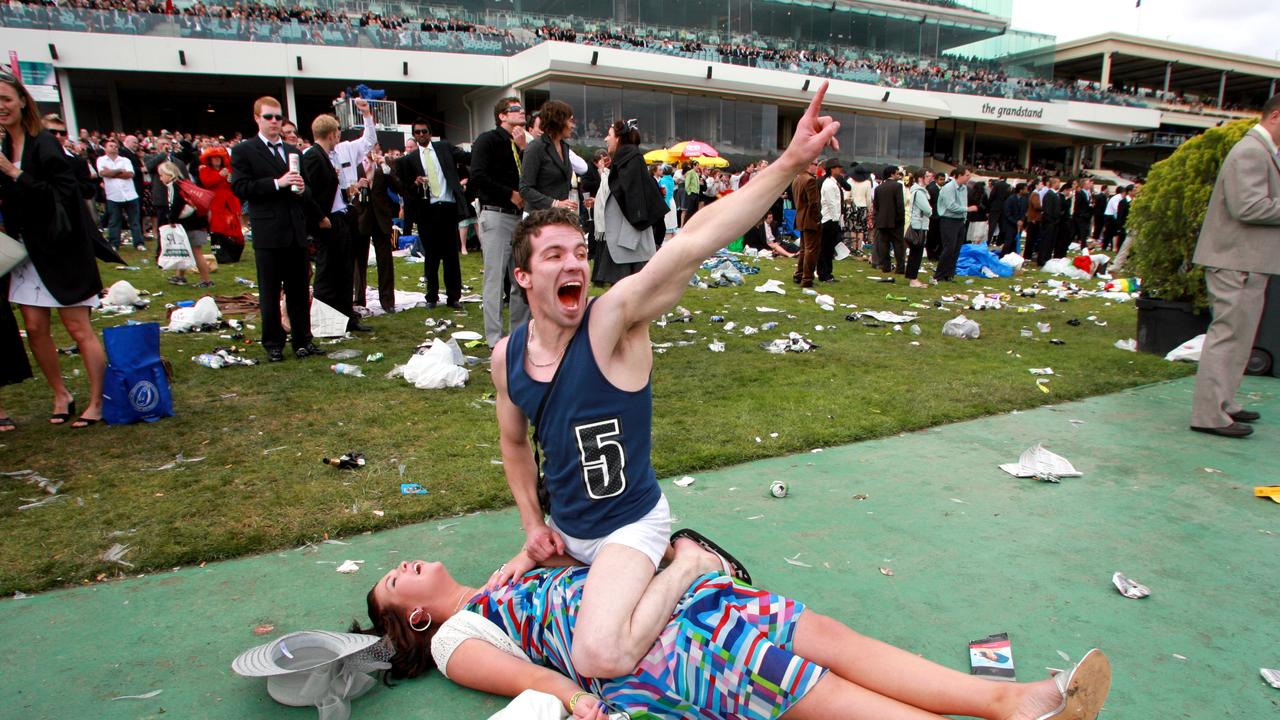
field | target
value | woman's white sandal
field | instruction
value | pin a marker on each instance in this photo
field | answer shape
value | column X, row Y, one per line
column 1084, row 689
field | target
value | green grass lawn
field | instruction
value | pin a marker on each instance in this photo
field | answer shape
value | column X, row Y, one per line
column 262, row 430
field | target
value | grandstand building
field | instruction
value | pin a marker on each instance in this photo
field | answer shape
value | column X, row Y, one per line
column 913, row 82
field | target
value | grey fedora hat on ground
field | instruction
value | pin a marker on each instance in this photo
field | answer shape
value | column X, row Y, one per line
column 317, row 667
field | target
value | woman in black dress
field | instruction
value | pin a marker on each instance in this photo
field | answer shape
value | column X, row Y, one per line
column 14, row 367
column 42, row 209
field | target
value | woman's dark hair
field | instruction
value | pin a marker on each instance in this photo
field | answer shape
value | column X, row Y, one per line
column 626, row 132
column 555, row 117
column 413, row 648
column 30, row 112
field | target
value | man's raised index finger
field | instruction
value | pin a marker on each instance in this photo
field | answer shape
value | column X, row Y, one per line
column 815, row 105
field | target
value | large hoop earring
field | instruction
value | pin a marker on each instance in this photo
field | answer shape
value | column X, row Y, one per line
column 413, row 617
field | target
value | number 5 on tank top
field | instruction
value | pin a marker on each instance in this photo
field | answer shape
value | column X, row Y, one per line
column 604, row 462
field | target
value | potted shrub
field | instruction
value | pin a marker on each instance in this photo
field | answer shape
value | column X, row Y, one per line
column 1164, row 222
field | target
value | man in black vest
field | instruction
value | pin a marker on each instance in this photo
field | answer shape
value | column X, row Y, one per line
column 435, row 201
column 329, row 222
column 260, row 176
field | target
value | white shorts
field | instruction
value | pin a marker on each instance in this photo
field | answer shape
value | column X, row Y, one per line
column 650, row 535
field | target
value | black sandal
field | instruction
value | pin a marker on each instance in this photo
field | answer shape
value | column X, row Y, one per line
column 732, row 567
column 62, row 417
column 7, row 424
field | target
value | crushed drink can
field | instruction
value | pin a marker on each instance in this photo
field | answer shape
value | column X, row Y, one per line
column 778, row 489
column 769, row 326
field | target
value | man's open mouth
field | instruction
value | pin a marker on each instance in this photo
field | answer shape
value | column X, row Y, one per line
column 570, row 295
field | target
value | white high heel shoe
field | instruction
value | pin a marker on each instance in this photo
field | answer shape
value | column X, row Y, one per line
column 1084, row 689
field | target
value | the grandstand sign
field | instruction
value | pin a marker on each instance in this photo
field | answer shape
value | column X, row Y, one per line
column 1000, row 110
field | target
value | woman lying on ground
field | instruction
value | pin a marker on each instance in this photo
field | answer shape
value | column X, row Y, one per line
column 730, row 651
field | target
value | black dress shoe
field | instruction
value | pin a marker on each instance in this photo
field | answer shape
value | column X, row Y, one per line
column 432, row 305
column 358, row 327
column 275, row 355
column 307, row 351
column 1245, row 416
column 454, row 304
column 1234, row 430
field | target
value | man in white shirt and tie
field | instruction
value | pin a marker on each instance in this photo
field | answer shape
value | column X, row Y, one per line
column 435, row 201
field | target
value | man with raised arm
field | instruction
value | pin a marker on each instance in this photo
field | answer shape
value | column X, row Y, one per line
column 579, row 370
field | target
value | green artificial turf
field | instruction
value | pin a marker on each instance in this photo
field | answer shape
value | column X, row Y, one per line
column 262, row 430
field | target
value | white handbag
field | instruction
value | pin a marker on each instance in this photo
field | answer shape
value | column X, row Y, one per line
column 12, row 252
column 175, row 249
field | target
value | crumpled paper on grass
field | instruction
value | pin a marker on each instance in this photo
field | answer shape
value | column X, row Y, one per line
column 1036, row 461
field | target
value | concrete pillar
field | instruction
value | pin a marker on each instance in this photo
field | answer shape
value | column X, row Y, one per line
column 1097, row 156
column 1222, row 87
column 68, row 102
column 1077, row 157
column 1024, row 156
column 1168, row 74
column 957, row 146
column 113, row 101
column 1105, row 79
column 1272, row 92
column 291, row 102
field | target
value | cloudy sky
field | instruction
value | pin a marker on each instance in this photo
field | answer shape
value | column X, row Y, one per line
column 1251, row 27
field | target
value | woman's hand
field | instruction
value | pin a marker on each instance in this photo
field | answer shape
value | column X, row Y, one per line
column 513, row 568
column 589, row 707
column 8, row 168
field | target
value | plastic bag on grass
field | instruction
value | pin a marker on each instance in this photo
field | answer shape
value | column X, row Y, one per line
column 437, row 367
column 1188, row 351
column 961, row 327
column 204, row 312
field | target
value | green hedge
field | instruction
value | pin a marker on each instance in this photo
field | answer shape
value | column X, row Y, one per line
column 1165, row 218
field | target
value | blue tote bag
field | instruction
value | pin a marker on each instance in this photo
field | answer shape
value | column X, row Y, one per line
column 136, row 386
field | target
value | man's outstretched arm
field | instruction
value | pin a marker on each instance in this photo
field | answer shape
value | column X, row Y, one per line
column 643, row 297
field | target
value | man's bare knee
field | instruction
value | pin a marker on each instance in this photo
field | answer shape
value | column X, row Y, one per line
column 602, row 657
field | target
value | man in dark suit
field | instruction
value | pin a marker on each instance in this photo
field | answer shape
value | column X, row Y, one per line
column 328, row 221
column 1082, row 212
column 804, row 193
column 260, row 176
column 1000, row 192
column 435, row 202
column 1066, row 224
column 891, row 216
column 933, row 240
column 1050, row 218
column 376, row 181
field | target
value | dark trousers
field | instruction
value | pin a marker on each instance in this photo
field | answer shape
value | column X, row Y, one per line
column 995, row 224
column 1031, row 240
column 1045, row 243
column 915, row 253
column 827, row 252
column 1098, row 222
column 1066, row 230
column 952, row 234
column 438, row 231
column 334, row 268
column 285, row 268
column 1008, row 236
column 1109, row 230
column 807, row 260
column 933, row 242
column 386, row 269
column 1082, row 229
column 891, row 238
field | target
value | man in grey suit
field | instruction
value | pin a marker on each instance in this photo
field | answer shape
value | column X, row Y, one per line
column 1239, row 248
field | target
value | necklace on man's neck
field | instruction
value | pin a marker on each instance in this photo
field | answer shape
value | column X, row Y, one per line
column 528, row 340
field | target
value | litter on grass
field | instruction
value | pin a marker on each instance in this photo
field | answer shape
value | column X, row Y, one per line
column 961, row 327
column 797, row 563
column 1129, row 344
column 412, row 489
column 887, row 572
column 1038, row 462
column 115, row 554
column 1041, row 371
column 143, row 696
column 1188, row 351
column 1272, row 677
column 177, row 460
column 771, row 286
column 350, row 460
column 349, row 566
column 685, row 481
column 1129, row 588
column 716, row 346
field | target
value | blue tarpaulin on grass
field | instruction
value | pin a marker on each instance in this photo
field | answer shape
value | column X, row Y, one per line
column 974, row 257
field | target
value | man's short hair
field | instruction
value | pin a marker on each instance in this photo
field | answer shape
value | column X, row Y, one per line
column 1271, row 105
column 421, row 121
column 324, row 126
column 959, row 170
column 522, row 240
column 264, row 101
column 501, row 106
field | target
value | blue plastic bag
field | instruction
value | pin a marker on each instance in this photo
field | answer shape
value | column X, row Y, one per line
column 974, row 257
column 136, row 387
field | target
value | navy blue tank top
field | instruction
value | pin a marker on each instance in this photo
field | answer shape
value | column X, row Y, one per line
column 595, row 439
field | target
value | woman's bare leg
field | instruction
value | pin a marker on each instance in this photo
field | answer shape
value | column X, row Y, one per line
column 36, row 321
column 872, row 669
column 202, row 265
column 76, row 320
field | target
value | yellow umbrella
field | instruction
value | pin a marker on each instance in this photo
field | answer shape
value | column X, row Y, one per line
column 712, row 162
column 660, row 155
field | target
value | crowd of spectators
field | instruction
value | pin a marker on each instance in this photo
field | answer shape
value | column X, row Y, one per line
column 265, row 22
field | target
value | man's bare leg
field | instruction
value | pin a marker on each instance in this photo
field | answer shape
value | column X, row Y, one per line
column 624, row 605
column 873, row 679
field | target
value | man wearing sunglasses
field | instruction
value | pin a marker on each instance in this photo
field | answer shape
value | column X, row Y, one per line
column 435, row 201
column 87, row 182
column 496, row 156
column 261, row 176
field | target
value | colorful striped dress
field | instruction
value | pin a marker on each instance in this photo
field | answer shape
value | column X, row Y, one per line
column 725, row 654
